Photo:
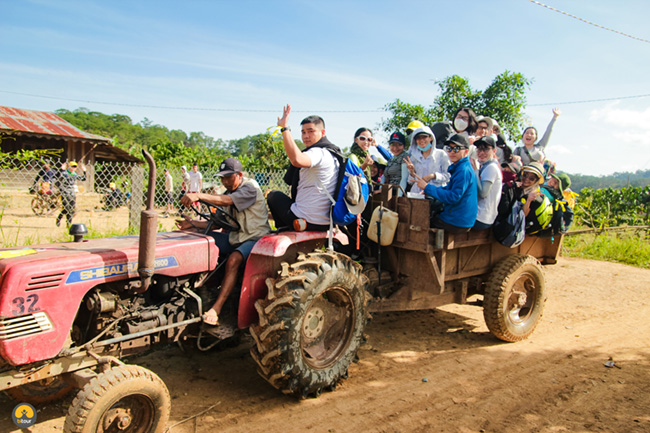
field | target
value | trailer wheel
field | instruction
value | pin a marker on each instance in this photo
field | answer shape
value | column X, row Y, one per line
column 125, row 399
column 311, row 324
column 40, row 392
column 514, row 297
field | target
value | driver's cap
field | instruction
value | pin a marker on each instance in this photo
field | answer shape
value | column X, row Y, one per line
column 230, row 166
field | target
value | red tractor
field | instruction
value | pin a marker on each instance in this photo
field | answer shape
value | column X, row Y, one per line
column 70, row 312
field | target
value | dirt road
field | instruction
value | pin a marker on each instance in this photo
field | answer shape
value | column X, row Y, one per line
column 441, row 371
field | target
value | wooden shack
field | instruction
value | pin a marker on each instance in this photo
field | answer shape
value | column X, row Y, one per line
column 30, row 130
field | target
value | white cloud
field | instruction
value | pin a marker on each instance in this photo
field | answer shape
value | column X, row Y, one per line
column 622, row 118
column 638, row 138
column 560, row 150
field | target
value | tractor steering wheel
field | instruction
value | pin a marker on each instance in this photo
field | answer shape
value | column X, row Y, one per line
column 218, row 217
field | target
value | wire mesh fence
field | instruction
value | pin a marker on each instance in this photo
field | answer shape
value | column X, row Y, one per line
column 108, row 197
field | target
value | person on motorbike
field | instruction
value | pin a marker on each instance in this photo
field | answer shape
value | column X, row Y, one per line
column 114, row 197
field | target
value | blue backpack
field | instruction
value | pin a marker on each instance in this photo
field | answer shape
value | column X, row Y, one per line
column 352, row 191
column 511, row 229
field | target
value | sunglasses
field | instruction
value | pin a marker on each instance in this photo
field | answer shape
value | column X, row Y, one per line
column 364, row 138
column 453, row 149
column 530, row 176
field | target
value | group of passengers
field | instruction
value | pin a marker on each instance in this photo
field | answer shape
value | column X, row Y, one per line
column 463, row 167
column 460, row 167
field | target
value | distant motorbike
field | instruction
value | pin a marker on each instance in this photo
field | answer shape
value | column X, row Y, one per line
column 46, row 201
column 114, row 198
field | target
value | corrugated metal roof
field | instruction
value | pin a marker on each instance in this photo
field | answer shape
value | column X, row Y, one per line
column 42, row 122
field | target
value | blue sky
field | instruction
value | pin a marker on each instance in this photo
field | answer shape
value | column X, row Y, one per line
column 343, row 60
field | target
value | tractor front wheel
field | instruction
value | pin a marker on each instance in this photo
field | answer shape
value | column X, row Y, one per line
column 125, row 399
column 311, row 324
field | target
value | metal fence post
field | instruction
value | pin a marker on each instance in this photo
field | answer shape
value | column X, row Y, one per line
column 137, row 195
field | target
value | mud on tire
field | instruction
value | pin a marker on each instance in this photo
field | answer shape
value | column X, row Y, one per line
column 311, row 323
column 514, row 297
column 126, row 398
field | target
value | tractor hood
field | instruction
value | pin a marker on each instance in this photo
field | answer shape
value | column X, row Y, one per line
column 41, row 286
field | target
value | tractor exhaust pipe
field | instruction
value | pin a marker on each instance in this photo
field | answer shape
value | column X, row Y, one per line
column 148, row 226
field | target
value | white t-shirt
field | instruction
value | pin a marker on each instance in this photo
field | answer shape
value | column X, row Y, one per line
column 312, row 203
column 487, row 207
column 195, row 181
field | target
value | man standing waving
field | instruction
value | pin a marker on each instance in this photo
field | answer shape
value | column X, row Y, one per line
column 311, row 170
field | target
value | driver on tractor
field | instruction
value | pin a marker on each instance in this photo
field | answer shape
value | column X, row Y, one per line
column 244, row 202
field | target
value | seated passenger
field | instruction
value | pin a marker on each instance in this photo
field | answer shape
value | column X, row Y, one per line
column 359, row 151
column 562, row 199
column 465, row 122
column 312, row 169
column 537, row 207
column 396, row 172
column 244, row 200
column 531, row 150
column 489, row 183
column 562, row 182
column 459, row 196
column 429, row 163
column 510, row 170
column 484, row 128
column 377, row 176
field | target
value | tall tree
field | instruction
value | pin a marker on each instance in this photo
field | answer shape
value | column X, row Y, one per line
column 503, row 100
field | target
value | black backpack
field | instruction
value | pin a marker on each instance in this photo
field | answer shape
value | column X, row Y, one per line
column 509, row 228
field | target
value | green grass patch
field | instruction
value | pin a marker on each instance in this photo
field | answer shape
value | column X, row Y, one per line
column 629, row 247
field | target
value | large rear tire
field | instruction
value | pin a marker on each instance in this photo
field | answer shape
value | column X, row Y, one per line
column 311, row 324
column 124, row 399
column 514, row 297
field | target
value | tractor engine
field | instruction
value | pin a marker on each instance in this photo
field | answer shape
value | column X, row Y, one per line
column 113, row 310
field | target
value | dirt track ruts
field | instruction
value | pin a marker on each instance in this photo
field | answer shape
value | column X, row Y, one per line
column 441, row 371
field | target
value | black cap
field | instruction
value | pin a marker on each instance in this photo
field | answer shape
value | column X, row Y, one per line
column 397, row 137
column 485, row 141
column 459, row 140
column 230, row 166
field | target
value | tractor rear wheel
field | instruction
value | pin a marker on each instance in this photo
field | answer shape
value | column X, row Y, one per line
column 514, row 297
column 311, row 323
column 126, row 399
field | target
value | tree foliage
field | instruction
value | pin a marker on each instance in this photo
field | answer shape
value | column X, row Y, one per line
column 175, row 147
column 638, row 178
column 504, row 100
column 261, row 152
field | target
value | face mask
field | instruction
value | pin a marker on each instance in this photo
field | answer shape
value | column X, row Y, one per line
column 425, row 148
column 460, row 124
